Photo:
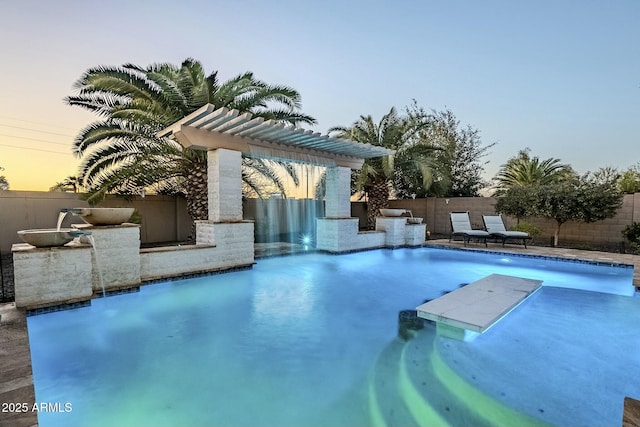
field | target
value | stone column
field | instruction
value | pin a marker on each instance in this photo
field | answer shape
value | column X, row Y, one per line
column 225, row 185
column 337, row 203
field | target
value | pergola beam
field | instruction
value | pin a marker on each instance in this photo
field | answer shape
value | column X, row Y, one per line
column 209, row 128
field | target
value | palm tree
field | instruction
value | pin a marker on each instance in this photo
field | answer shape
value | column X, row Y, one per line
column 70, row 183
column 524, row 170
column 377, row 175
column 121, row 152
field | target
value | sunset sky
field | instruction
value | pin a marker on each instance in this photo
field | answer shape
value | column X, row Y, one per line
column 559, row 77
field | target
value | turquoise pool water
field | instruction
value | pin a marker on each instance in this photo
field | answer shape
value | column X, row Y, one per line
column 311, row 341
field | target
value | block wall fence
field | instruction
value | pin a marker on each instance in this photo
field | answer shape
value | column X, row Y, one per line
column 165, row 218
column 435, row 212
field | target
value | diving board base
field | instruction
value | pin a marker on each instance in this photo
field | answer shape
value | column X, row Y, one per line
column 469, row 311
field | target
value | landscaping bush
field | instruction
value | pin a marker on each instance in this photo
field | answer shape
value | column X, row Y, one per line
column 632, row 233
column 527, row 227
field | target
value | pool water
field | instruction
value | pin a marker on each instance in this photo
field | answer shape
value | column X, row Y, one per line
column 312, row 341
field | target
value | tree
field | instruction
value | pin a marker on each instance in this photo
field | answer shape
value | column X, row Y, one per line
column 70, row 183
column 587, row 199
column 518, row 202
column 629, row 181
column 377, row 175
column 458, row 158
column 121, row 152
column 4, row 184
column 524, row 170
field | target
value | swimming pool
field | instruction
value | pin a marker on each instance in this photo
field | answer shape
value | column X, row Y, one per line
column 311, row 340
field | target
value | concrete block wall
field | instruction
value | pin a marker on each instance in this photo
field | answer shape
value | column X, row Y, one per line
column 435, row 212
column 50, row 276
column 116, row 259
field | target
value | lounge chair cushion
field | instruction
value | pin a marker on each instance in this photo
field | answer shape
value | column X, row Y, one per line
column 495, row 226
column 461, row 226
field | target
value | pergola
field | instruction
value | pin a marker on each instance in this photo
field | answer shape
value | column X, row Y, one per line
column 209, row 128
column 226, row 135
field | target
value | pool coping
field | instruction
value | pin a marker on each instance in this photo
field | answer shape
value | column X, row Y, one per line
column 16, row 382
column 608, row 259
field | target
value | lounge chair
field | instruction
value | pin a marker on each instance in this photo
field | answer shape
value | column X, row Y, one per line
column 495, row 226
column 461, row 226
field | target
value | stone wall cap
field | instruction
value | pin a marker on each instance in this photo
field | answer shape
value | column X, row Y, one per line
column 101, row 227
column 24, row 247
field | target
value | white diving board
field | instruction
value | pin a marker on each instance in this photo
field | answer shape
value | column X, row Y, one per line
column 478, row 305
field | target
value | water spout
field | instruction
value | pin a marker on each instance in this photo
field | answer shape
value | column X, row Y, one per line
column 73, row 211
column 64, row 212
column 95, row 253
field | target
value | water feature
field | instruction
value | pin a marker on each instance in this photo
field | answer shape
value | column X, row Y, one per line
column 100, row 216
column 92, row 241
column 289, row 221
column 45, row 238
column 48, row 237
column 313, row 342
column 61, row 216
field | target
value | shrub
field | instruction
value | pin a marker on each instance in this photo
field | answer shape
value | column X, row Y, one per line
column 527, row 227
column 632, row 233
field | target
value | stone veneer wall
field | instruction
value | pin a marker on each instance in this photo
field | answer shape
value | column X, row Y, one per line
column 338, row 191
column 53, row 276
column 224, row 184
column 49, row 276
column 219, row 246
column 394, row 229
column 329, row 231
column 116, row 260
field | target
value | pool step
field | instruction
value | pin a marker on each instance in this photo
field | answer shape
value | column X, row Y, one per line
column 421, row 384
column 411, row 385
column 386, row 404
column 428, row 399
column 428, row 377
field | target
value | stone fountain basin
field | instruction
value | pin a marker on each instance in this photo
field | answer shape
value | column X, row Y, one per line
column 392, row 212
column 105, row 216
column 48, row 237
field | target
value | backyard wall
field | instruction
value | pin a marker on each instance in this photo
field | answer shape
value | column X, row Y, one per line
column 164, row 218
column 608, row 232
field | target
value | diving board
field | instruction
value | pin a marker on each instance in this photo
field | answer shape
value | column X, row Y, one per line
column 478, row 305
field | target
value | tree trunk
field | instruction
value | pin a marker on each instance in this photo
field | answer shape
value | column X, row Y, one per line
column 556, row 234
column 197, row 194
column 378, row 198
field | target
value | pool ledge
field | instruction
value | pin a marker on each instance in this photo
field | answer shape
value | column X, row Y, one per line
column 477, row 306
